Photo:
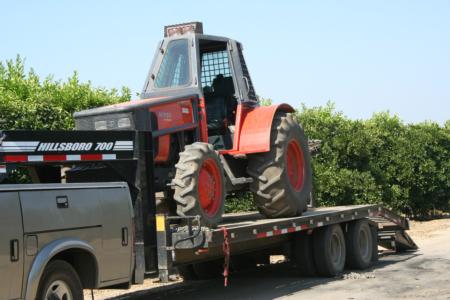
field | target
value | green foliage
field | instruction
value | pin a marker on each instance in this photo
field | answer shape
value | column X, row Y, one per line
column 264, row 101
column 379, row 160
column 26, row 102
column 239, row 203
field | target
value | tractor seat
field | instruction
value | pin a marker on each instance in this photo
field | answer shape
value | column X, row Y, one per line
column 216, row 104
column 215, row 115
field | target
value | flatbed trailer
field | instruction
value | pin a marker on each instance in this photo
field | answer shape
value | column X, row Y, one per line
column 164, row 243
column 250, row 232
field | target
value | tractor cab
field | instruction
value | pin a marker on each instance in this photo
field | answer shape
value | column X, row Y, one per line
column 189, row 62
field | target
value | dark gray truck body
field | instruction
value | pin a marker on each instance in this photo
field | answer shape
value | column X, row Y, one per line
column 89, row 224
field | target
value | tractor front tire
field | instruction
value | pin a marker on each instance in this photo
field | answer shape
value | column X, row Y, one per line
column 282, row 177
column 199, row 184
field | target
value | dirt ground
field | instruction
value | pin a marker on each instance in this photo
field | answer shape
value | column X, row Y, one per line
column 419, row 275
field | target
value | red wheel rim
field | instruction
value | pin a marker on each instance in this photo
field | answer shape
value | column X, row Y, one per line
column 295, row 165
column 210, row 187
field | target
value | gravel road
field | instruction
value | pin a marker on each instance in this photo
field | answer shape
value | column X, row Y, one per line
column 419, row 275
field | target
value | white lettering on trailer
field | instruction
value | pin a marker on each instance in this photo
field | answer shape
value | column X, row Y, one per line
column 36, row 146
column 2, row 169
column 7, row 146
column 59, row 147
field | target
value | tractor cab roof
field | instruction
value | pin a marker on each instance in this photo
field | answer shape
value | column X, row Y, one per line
column 196, row 28
column 187, row 61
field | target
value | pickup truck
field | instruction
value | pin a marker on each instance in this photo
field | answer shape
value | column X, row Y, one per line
column 56, row 239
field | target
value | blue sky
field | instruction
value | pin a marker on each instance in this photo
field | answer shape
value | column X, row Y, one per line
column 366, row 56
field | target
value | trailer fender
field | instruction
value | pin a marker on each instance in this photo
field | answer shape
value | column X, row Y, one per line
column 44, row 257
column 255, row 126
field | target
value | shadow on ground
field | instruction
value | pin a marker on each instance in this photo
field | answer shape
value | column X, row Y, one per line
column 266, row 282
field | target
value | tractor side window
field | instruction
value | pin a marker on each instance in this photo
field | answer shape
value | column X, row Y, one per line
column 174, row 69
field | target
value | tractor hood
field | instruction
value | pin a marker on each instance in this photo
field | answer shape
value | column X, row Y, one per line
column 126, row 115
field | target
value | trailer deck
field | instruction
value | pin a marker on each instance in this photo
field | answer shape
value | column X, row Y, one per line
column 243, row 232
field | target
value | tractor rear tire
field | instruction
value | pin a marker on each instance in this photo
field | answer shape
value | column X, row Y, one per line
column 282, row 177
column 199, row 184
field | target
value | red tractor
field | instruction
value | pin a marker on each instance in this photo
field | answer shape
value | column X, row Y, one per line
column 211, row 136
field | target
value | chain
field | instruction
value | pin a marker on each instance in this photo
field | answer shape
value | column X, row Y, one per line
column 226, row 253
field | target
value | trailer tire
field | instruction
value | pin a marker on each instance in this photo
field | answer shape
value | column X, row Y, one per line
column 199, row 184
column 282, row 177
column 303, row 255
column 359, row 242
column 60, row 278
column 329, row 250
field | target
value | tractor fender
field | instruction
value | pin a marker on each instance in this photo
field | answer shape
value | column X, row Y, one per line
column 256, row 124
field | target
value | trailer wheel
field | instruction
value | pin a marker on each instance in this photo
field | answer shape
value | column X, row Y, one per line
column 359, row 244
column 329, row 250
column 303, row 255
column 199, row 184
column 60, row 282
column 282, row 177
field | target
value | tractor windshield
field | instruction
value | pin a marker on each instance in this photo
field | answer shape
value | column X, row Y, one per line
column 174, row 69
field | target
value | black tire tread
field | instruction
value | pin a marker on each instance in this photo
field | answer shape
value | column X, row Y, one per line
column 272, row 195
column 304, row 255
column 185, row 182
column 322, row 259
column 354, row 260
column 57, row 270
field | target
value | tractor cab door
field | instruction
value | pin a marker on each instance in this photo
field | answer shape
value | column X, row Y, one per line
column 223, row 88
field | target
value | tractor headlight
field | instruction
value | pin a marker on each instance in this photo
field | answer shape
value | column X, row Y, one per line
column 124, row 123
column 100, row 125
